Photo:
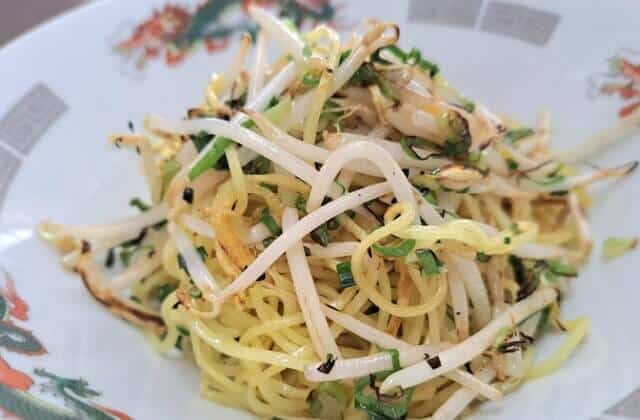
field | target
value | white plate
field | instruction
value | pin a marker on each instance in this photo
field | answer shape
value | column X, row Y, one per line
column 64, row 88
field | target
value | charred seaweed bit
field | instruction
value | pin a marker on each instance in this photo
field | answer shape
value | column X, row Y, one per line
column 111, row 258
column 262, row 277
column 137, row 240
column 139, row 204
column 434, row 362
column 237, row 103
column 86, row 247
column 130, row 125
column 202, row 252
column 467, row 367
column 187, row 195
column 327, row 365
column 372, row 309
column 183, row 264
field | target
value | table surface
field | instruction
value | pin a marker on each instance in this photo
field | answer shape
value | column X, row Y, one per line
column 18, row 16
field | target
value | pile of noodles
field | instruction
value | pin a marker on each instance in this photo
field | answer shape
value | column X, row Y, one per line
column 341, row 234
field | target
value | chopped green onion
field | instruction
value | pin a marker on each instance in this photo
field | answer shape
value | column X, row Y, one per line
column 344, row 55
column 139, row 204
column 396, row 52
column 307, row 51
column 364, row 76
column 516, row 134
column 512, row 164
column 258, row 166
column 408, row 144
column 267, row 241
column 271, row 224
column 200, row 140
column 321, row 235
column 164, row 290
column 275, row 114
column 429, row 263
column 310, row 79
column 429, row 67
column 482, row 257
column 395, row 359
column 328, row 401
column 182, row 330
column 169, row 169
column 127, row 253
column 563, row 270
column 381, row 406
column 454, row 147
column 401, row 250
column 333, row 224
column 345, row 276
column 428, row 195
column 615, row 247
column 468, row 105
column 210, row 158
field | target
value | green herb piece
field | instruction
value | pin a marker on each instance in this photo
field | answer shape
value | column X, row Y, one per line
column 560, row 269
column 381, row 406
column 321, row 235
column 258, row 166
column 512, row 165
column 408, row 144
column 310, row 79
column 429, row 67
column 468, row 105
column 516, row 134
column 428, row 195
column 307, row 51
column 201, row 139
column 127, row 253
column 212, row 157
column 267, row 241
column 482, row 257
column 182, row 330
column 164, row 290
column 364, row 76
column 395, row 359
column 507, row 240
column 169, row 169
column 333, row 224
column 401, row 250
column 328, row 401
column 429, row 263
column 344, row 55
column 615, row 247
column 345, row 276
column 271, row 224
